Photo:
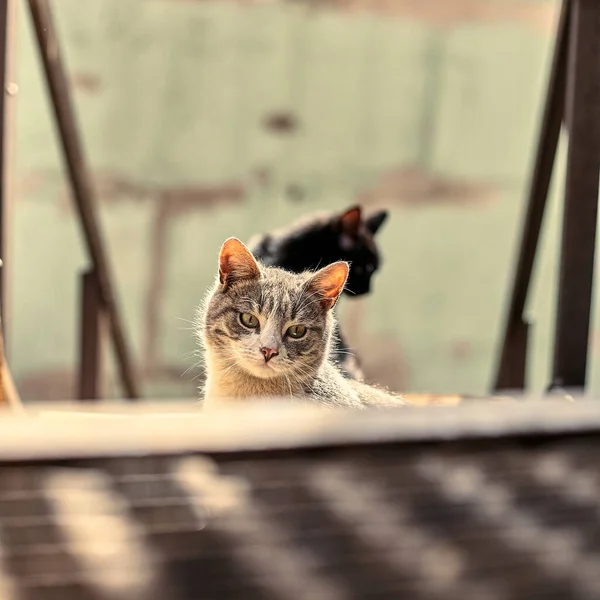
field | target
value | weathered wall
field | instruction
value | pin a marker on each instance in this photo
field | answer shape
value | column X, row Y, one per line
column 429, row 108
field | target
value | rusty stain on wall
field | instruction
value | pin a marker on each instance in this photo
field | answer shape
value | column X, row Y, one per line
column 88, row 83
column 113, row 186
column 447, row 13
column 28, row 184
column 281, row 123
column 540, row 16
column 51, row 384
column 262, row 176
column 58, row 384
column 461, row 350
column 412, row 185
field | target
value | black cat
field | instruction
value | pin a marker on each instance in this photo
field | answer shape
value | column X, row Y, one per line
column 319, row 240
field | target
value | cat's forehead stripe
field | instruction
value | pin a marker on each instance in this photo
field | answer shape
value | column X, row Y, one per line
column 276, row 295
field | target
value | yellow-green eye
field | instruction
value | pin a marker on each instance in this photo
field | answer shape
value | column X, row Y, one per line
column 296, row 331
column 249, row 320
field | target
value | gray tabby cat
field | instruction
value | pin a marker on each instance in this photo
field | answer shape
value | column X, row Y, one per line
column 268, row 332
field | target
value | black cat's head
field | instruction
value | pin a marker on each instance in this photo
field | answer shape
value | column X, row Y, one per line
column 357, row 245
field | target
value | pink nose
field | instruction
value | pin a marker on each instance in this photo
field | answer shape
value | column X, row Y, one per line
column 268, row 353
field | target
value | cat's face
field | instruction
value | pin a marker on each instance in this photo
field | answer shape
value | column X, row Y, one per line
column 357, row 246
column 269, row 322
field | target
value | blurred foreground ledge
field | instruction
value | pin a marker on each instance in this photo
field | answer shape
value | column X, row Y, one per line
column 70, row 430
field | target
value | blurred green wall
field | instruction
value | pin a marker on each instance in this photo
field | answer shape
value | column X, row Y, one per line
column 429, row 111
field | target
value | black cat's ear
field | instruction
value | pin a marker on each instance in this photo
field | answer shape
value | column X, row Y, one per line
column 350, row 221
column 376, row 220
column 328, row 283
column 236, row 263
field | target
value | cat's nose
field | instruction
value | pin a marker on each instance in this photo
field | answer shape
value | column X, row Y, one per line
column 268, row 353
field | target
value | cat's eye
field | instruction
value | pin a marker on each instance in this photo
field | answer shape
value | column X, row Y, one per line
column 249, row 320
column 296, row 331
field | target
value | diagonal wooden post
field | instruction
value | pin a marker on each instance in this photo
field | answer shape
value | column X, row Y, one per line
column 82, row 188
column 578, row 243
column 511, row 368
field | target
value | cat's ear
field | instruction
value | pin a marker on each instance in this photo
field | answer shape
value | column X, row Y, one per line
column 376, row 220
column 350, row 221
column 328, row 283
column 236, row 263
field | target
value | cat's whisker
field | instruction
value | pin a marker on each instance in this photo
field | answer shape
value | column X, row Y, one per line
column 195, row 365
column 299, row 374
column 289, row 385
column 196, row 377
column 187, row 321
column 346, row 352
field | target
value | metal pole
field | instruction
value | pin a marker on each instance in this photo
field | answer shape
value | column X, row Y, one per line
column 81, row 182
column 513, row 354
column 4, row 38
column 90, row 338
column 581, row 198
